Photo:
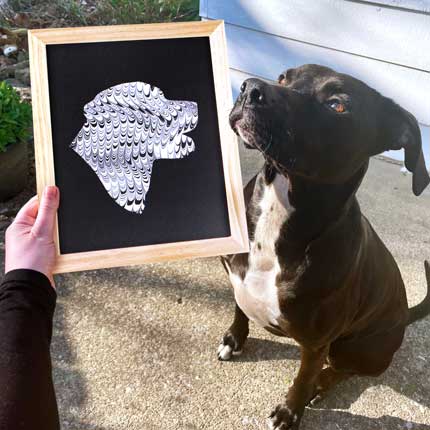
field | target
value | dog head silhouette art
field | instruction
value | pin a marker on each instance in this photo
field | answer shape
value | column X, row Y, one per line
column 128, row 127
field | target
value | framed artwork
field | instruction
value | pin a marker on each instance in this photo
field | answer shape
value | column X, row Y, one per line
column 131, row 123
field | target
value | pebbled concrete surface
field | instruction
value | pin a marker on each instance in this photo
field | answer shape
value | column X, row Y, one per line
column 135, row 348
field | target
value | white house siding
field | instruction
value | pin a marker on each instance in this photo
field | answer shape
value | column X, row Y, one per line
column 418, row 5
column 385, row 43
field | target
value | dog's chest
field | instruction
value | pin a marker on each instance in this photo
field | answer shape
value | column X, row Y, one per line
column 257, row 293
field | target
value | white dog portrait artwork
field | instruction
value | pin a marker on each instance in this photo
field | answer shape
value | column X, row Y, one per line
column 128, row 127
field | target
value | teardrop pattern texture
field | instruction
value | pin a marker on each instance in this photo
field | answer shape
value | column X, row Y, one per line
column 128, row 127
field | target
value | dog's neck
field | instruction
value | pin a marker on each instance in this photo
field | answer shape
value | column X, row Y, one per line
column 315, row 208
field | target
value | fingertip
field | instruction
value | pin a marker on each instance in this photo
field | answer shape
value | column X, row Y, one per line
column 29, row 209
column 34, row 199
column 50, row 191
column 51, row 194
column 45, row 221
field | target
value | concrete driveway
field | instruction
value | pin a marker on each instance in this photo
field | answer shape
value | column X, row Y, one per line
column 135, row 348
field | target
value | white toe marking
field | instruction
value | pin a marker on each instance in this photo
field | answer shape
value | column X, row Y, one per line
column 225, row 352
column 270, row 424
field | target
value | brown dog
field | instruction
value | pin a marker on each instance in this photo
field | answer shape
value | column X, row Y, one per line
column 316, row 270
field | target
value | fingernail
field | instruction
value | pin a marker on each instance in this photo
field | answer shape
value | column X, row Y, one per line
column 51, row 191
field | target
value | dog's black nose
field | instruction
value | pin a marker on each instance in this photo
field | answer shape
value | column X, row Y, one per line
column 254, row 91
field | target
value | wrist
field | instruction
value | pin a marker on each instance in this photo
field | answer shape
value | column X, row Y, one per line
column 27, row 267
column 25, row 274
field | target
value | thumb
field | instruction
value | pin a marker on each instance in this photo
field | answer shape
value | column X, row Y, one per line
column 45, row 221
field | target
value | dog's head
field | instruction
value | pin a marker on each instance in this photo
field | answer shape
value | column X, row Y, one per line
column 325, row 125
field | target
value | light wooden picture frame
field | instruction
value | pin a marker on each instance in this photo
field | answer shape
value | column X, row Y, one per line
column 237, row 241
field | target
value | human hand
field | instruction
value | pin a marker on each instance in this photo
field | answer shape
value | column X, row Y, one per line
column 30, row 238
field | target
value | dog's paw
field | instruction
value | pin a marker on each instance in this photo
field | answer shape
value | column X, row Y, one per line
column 229, row 347
column 283, row 418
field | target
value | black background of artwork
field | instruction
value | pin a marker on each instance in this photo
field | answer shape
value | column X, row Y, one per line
column 186, row 198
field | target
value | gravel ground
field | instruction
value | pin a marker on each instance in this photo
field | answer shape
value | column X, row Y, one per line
column 135, row 348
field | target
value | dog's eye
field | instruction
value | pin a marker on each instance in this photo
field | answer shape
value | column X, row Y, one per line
column 336, row 105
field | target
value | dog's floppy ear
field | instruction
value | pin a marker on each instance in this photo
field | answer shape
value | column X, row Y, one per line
column 400, row 130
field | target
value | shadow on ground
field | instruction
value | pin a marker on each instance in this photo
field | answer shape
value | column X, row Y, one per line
column 407, row 375
column 70, row 383
column 356, row 422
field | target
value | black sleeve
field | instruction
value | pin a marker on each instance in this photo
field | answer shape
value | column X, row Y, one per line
column 27, row 397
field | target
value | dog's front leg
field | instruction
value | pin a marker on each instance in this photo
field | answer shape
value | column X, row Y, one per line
column 235, row 337
column 287, row 415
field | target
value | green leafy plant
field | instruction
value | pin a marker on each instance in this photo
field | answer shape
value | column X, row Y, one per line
column 15, row 117
column 62, row 13
column 146, row 11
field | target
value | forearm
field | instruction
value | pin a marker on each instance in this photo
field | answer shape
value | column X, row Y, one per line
column 27, row 398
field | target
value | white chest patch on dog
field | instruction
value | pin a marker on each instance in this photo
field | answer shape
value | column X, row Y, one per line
column 257, row 293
